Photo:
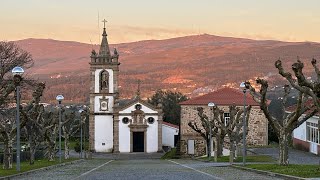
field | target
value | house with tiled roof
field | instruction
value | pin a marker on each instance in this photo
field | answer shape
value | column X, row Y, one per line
column 192, row 143
column 307, row 135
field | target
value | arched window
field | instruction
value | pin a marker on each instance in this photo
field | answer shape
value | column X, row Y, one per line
column 104, row 80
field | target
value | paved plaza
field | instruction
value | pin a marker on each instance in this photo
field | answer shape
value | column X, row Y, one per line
column 144, row 169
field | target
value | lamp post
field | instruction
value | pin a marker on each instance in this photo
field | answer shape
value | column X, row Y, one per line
column 244, row 90
column 17, row 77
column 210, row 105
column 81, row 113
column 59, row 98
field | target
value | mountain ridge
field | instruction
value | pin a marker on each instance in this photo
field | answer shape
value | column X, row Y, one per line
column 191, row 64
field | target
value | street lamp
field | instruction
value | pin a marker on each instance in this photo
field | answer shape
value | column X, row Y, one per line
column 210, row 105
column 81, row 113
column 59, row 98
column 17, row 78
column 244, row 90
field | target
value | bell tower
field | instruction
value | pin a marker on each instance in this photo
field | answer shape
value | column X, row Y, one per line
column 104, row 73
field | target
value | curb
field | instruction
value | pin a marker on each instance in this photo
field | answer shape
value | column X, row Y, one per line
column 40, row 169
column 268, row 173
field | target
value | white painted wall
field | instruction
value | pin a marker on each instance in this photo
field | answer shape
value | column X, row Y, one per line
column 152, row 135
column 97, row 104
column 97, row 79
column 152, row 130
column 168, row 133
column 144, row 109
column 103, row 133
column 301, row 131
column 124, row 135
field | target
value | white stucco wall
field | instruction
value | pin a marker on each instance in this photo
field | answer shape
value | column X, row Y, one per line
column 152, row 135
column 96, row 82
column 301, row 131
column 152, row 130
column 97, row 104
column 103, row 133
column 132, row 108
column 168, row 133
column 124, row 135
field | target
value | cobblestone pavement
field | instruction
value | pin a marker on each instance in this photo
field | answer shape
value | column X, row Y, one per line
column 144, row 169
column 295, row 156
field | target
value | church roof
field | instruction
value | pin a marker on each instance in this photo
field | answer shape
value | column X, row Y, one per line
column 171, row 125
column 225, row 96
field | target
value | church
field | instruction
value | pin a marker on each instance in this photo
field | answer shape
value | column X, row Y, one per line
column 119, row 125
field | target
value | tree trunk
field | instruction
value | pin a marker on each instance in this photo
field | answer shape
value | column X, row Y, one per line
column 232, row 152
column 66, row 147
column 51, row 150
column 208, row 148
column 283, row 148
column 7, row 155
column 32, row 149
column 220, row 146
column 32, row 154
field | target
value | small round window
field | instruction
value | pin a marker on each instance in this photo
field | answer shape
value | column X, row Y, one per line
column 125, row 120
column 138, row 106
column 150, row 120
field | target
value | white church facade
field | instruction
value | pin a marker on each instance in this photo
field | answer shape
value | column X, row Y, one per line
column 117, row 125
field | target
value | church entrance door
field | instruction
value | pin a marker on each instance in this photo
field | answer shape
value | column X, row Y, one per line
column 138, row 141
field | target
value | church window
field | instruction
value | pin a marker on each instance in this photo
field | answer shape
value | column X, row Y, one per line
column 150, row 120
column 104, row 80
column 125, row 120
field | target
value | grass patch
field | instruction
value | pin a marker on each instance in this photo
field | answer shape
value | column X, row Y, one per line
column 255, row 158
column 25, row 166
column 170, row 154
column 305, row 171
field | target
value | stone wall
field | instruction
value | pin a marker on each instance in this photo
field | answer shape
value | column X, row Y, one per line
column 257, row 135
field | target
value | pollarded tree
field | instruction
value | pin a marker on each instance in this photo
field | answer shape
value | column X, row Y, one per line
column 32, row 114
column 285, row 126
column 203, row 129
column 70, row 126
column 50, row 120
column 233, row 127
column 8, row 134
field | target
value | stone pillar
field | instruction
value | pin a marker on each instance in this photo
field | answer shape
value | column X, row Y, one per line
column 160, row 132
column 91, row 132
column 116, row 133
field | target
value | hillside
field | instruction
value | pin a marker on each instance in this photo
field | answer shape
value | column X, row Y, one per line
column 192, row 64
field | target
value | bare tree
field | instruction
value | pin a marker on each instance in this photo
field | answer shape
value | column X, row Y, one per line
column 8, row 134
column 285, row 126
column 70, row 126
column 50, row 122
column 204, row 130
column 233, row 127
column 11, row 56
column 32, row 115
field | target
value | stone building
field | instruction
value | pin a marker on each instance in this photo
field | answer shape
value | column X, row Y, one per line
column 117, row 125
column 192, row 143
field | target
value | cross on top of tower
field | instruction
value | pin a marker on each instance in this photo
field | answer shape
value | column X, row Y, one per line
column 104, row 23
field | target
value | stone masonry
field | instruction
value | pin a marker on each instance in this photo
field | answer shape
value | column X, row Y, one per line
column 257, row 135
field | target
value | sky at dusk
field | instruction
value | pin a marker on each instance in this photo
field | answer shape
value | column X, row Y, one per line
column 128, row 20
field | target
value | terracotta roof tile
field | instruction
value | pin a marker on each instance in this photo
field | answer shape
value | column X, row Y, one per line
column 224, row 96
column 169, row 124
